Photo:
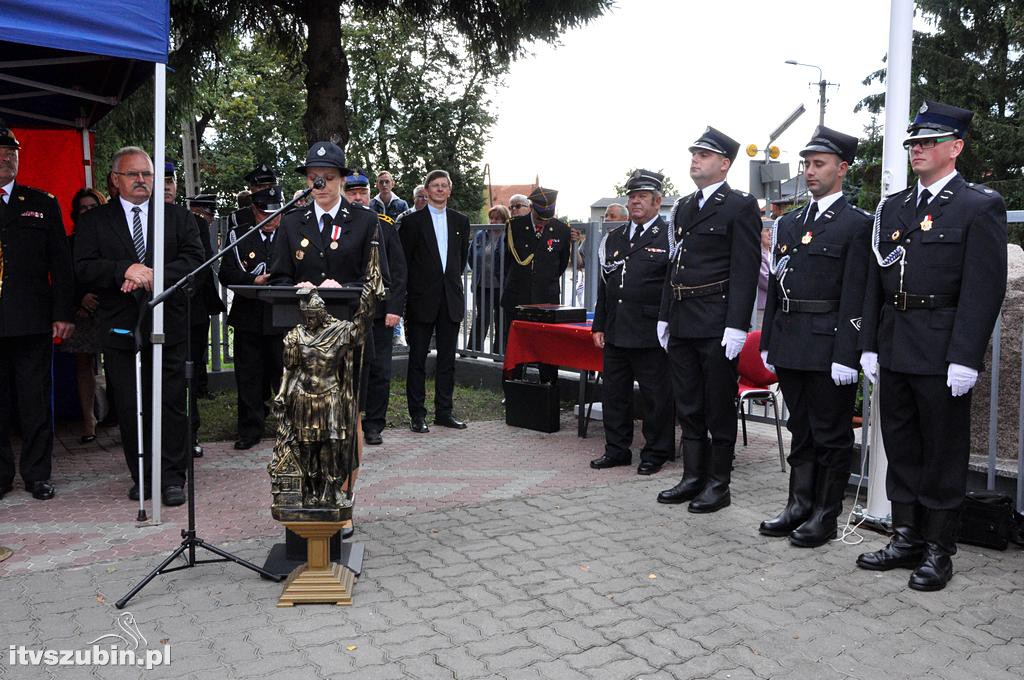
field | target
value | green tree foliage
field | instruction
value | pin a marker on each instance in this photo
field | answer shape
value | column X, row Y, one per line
column 668, row 188
column 418, row 102
column 863, row 182
column 974, row 59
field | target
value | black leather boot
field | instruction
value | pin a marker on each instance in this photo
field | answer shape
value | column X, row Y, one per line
column 715, row 494
column 936, row 569
column 829, row 489
column 906, row 547
column 800, row 503
column 696, row 459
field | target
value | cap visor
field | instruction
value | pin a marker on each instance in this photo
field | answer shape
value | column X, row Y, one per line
column 708, row 147
column 817, row 148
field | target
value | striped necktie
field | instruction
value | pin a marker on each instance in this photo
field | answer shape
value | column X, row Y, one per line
column 140, row 243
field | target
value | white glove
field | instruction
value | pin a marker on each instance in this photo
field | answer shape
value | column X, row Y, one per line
column 663, row 334
column 764, row 360
column 960, row 379
column 869, row 362
column 843, row 375
column 732, row 341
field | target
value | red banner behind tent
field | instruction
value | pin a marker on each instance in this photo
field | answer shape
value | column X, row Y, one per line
column 52, row 160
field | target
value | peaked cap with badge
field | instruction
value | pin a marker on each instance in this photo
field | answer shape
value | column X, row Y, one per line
column 935, row 119
column 261, row 174
column 268, row 199
column 543, row 201
column 718, row 142
column 644, row 180
column 357, row 178
column 827, row 140
column 7, row 137
column 324, row 155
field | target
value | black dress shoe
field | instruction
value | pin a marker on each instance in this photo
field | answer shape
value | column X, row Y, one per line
column 41, row 491
column 373, row 438
column 133, row 493
column 418, row 426
column 607, row 461
column 173, row 495
column 87, row 439
column 648, row 467
column 450, row 421
column 197, row 451
column 246, row 443
column 686, row 490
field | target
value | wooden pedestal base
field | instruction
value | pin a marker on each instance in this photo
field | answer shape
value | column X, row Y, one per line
column 319, row 580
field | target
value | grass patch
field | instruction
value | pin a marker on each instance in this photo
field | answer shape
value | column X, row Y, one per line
column 219, row 414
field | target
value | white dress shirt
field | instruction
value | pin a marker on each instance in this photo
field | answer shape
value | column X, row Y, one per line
column 825, row 202
column 8, row 188
column 935, row 187
column 634, row 226
column 129, row 216
column 440, row 219
column 320, row 212
column 706, row 192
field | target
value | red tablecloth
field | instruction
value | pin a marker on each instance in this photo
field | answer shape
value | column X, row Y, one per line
column 564, row 344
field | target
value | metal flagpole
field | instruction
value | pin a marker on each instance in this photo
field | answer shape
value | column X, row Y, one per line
column 159, row 130
column 894, row 178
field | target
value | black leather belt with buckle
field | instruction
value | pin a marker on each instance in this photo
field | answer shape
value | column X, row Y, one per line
column 791, row 306
column 904, row 301
column 682, row 292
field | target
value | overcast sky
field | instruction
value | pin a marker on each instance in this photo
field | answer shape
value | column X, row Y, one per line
column 639, row 85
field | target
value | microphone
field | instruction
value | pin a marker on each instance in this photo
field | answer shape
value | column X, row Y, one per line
column 319, row 183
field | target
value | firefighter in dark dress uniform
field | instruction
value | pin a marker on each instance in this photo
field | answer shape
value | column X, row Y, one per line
column 257, row 346
column 706, row 306
column 538, row 250
column 934, row 290
column 810, row 337
column 389, row 313
column 634, row 261
column 37, row 300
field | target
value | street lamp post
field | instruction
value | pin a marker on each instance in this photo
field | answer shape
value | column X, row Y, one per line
column 822, row 86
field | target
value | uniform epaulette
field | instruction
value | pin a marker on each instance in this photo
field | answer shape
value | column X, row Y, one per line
column 912, row 188
column 36, row 190
column 862, row 211
column 982, row 189
column 795, row 208
column 385, row 218
column 362, row 207
column 743, row 194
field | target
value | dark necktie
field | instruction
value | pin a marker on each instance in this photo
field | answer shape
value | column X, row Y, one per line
column 812, row 213
column 697, row 197
column 325, row 223
column 638, row 231
column 922, row 202
column 137, row 239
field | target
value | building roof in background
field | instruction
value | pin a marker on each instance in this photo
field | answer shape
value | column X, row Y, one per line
column 500, row 193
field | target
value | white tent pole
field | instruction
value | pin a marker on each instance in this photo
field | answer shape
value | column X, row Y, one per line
column 894, row 178
column 159, row 125
column 87, row 157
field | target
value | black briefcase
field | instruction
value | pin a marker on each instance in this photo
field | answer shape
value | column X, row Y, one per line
column 985, row 519
column 549, row 313
column 531, row 405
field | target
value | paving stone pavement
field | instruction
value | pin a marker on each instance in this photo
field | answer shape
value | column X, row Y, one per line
column 586, row 577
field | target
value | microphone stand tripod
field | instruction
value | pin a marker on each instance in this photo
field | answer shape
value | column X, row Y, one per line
column 190, row 541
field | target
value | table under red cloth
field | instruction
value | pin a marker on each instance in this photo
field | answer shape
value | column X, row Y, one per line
column 570, row 345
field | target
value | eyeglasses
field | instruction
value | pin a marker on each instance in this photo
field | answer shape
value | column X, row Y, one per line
column 141, row 174
column 928, row 143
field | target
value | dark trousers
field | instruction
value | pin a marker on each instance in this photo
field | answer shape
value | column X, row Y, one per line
column 26, row 375
column 418, row 333
column 257, row 377
column 378, row 389
column 820, row 417
column 485, row 319
column 548, row 372
column 120, row 370
column 649, row 367
column 927, row 436
column 704, row 386
column 199, row 344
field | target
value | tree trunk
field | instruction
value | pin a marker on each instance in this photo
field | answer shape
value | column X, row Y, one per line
column 326, row 117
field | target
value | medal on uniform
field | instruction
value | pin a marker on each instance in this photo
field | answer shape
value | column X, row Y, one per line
column 304, row 242
column 299, row 254
column 334, row 245
column 252, row 255
column 654, row 230
column 895, row 234
column 783, row 248
column 806, row 238
column 926, row 223
column 551, row 242
column 615, row 254
column 335, row 233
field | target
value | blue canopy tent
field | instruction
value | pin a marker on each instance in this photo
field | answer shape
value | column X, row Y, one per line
column 68, row 64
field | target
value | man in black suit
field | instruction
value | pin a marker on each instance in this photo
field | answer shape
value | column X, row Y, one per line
column 389, row 312
column 934, row 289
column 436, row 246
column 634, row 261
column 810, row 337
column 114, row 257
column 37, row 294
column 706, row 306
column 257, row 345
column 537, row 253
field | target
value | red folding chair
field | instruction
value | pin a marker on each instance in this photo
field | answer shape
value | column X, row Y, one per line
column 755, row 381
